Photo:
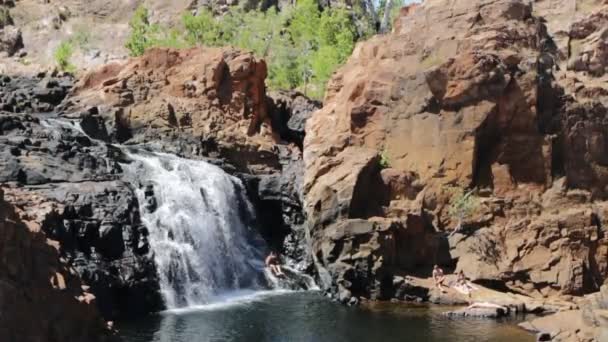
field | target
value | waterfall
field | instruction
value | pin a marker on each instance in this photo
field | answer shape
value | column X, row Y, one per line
column 200, row 231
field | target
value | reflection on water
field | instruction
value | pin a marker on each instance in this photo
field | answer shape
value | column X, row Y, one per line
column 306, row 316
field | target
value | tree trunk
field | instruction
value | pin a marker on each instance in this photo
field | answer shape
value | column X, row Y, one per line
column 372, row 13
column 386, row 17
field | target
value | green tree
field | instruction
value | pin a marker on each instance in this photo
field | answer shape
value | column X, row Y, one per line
column 336, row 39
column 142, row 32
column 302, row 45
column 201, row 29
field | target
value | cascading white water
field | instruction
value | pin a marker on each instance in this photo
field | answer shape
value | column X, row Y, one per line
column 202, row 243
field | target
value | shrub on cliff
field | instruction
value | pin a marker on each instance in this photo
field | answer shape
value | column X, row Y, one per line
column 462, row 205
column 5, row 17
column 63, row 54
column 384, row 160
column 140, row 38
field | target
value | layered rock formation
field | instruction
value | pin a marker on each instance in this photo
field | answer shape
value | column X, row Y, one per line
column 92, row 213
column 37, row 287
column 465, row 94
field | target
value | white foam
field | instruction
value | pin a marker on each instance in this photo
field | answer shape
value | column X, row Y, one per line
column 229, row 300
column 199, row 231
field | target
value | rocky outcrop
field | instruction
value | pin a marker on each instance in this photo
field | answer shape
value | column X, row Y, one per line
column 11, row 40
column 281, row 191
column 201, row 101
column 462, row 94
column 589, row 323
column 97, row 226
column 289, row 111
column 38, row 94
column 579, row 30
column 208, row 103
column 40, row 297
column 92, row 213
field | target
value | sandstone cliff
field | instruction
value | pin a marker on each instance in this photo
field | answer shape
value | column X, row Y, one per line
column 467, row 94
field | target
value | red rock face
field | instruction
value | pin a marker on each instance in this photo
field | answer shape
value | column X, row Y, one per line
column 41, row 299
column 217, row 94
column 466, row 94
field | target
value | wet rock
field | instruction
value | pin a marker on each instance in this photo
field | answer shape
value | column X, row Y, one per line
column 98, row 227
column 33, row 94
column 96, row 216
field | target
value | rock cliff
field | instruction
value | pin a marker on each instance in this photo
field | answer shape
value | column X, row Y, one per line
column 38, row 287
column 472, row 95
column 92, row 213
column 60, row 150
column 504, row 98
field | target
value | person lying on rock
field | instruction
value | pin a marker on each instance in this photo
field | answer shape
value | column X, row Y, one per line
column 462, row 281
column 439, row 278
column 273, row 262
column 463, row 284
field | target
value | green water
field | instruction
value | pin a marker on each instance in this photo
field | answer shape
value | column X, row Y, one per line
column 307, row 316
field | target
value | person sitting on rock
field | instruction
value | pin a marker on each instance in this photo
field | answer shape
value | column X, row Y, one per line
column 439, row 278
column 273, row 263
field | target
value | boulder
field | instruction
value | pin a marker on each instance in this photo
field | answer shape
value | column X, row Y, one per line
column 11, row 40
